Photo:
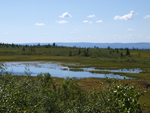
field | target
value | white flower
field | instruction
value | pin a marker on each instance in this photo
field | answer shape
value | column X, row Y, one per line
column 115, row 91
column 132, row 100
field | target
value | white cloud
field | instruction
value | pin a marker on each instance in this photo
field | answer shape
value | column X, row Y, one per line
column 5, row 33
column 85, row 21
column 39, row 24
column 147, row 16
column 62, row 22
column 125, row 17
column 99, row 21
column 65, row 15
column 129, row 29
column 91, row 16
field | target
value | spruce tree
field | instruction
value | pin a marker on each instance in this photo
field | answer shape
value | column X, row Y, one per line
column 127, row 52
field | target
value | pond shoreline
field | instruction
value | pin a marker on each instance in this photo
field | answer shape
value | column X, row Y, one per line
column 55, row 69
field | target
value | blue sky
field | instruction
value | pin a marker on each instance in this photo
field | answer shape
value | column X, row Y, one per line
column 97, row 21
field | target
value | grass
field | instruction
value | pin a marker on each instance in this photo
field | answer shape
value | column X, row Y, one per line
column 76, row 69
column 147, row 70
column 100, row 72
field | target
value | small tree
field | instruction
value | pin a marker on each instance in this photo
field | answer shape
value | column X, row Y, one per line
column 38, row 44
column 86, row 54
column 121, row 54
column 70, row 53
column 117, row 51
column 87, row 49
column 23, row 49
column 79, row 51
column 13, row 45
column 127, row 51
column 54, row 44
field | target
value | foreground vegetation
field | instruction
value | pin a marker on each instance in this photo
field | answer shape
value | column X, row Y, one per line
column 46, row 94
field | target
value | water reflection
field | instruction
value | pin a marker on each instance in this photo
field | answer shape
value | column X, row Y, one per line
column 55, row 69
column 135, row 70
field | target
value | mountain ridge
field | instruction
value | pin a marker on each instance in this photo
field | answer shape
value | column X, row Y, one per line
column 140, row 45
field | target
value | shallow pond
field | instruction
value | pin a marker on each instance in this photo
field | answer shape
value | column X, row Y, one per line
column 135, row 70
column 56, row 70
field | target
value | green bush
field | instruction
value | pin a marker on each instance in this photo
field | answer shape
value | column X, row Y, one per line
column 119, row 98
column 25, row 94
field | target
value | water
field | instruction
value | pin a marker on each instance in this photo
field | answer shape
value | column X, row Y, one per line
column 56, row 70
column 134, row 70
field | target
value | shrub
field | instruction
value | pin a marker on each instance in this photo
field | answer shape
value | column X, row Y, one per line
column 26, row 94
column 119, row 98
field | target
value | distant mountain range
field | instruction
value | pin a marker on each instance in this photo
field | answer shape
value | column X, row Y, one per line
column 142, row 45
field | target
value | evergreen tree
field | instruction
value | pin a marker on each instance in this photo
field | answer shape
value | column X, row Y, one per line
column 23, row 49
column 121, row 54
column 86, row 54
column 127, row 51
column 79, row 51
column 117, row 51
column 70, row 53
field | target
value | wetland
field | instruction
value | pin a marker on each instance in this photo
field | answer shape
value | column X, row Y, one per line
column 88, row 68
column 57, row 69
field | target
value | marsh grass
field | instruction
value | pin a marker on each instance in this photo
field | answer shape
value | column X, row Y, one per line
column 76, row 69
column 101, row 72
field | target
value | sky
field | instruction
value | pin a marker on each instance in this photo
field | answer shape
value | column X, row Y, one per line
column 96, row 21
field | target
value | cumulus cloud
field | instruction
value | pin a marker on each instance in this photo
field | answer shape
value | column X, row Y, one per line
column 125, row 17
column 91, row 16
column 62, row 22
column 99, row 21
column 86, row 21
column 65, row 15
column 147, row 16
column 129, row 29
column 39, row 24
